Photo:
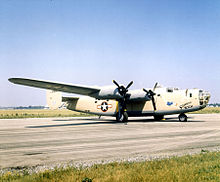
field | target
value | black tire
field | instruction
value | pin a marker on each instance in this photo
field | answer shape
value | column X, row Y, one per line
column 182, row 118
column 122, row 118
column 119, row 118
column 125, row 117
column 158, row 118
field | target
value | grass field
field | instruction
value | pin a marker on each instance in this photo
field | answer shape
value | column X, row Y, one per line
column 201, row 167
column 38, row 113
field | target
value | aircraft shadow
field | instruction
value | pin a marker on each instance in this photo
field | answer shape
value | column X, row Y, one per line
column 167, row 119
column 74, row 124
column 84, row 119
column 107, row 121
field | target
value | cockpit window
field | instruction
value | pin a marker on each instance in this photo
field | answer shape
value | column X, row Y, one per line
column 169, row 89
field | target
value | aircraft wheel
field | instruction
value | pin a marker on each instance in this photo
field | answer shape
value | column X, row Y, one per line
column 182, row 118
column 119, row 118
column 158, row 118
column 125, row 117
column 122, row 118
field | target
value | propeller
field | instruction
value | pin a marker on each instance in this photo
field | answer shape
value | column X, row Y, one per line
column 151, row 95
column 121, row 89
column 123, row 92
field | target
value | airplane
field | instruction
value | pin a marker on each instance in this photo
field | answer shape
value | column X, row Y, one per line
column 119, row 102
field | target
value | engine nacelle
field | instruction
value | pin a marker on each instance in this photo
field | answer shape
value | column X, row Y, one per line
column 137, row 95
column 112, row 93
column 109, row 92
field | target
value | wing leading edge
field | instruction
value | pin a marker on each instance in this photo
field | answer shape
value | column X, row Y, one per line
column 77, row 89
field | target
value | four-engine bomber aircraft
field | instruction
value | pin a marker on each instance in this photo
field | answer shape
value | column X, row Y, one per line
column 118, row 101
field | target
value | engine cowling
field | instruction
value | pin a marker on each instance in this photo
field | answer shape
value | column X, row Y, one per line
column 137, row 95
column 112, row 93
column 108, row 93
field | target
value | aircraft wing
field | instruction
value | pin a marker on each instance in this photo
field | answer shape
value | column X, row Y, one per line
column 77, row 89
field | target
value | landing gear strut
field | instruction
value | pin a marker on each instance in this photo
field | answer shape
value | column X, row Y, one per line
column 123, row 117
column 182, row 118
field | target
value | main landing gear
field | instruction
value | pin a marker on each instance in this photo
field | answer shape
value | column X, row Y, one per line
column 158, row 117
column 182, row 118
column 123, row 117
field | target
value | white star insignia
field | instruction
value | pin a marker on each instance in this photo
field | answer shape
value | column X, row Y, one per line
column 104, row 106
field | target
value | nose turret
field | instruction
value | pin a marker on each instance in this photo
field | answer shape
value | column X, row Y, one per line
column 204, row 97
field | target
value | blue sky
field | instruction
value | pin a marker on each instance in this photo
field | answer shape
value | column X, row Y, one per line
column 175, row 43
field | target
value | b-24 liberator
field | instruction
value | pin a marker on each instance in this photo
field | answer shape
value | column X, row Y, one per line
column 119, row 102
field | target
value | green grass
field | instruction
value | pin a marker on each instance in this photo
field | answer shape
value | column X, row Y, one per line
column 208, row 110
column 200, row 167
column 38, row 113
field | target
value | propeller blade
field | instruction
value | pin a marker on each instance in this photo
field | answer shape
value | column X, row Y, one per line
column 115, row 83
column 155, row 86
column 145, row 90
column 153, row 102
column 129, row 85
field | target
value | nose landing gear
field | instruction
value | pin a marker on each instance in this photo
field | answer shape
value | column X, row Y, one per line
column 182, row 118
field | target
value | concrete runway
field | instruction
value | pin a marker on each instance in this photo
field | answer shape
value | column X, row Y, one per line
column 45, row 141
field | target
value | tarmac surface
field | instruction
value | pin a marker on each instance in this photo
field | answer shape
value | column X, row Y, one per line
column 45, row 141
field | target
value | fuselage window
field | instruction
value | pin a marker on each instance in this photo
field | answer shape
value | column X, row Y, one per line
column 169, row 90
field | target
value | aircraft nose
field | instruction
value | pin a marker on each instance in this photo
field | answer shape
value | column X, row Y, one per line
column 204, row 97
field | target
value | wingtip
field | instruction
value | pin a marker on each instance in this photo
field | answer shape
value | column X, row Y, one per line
column 10, row 79
column 13, row 80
